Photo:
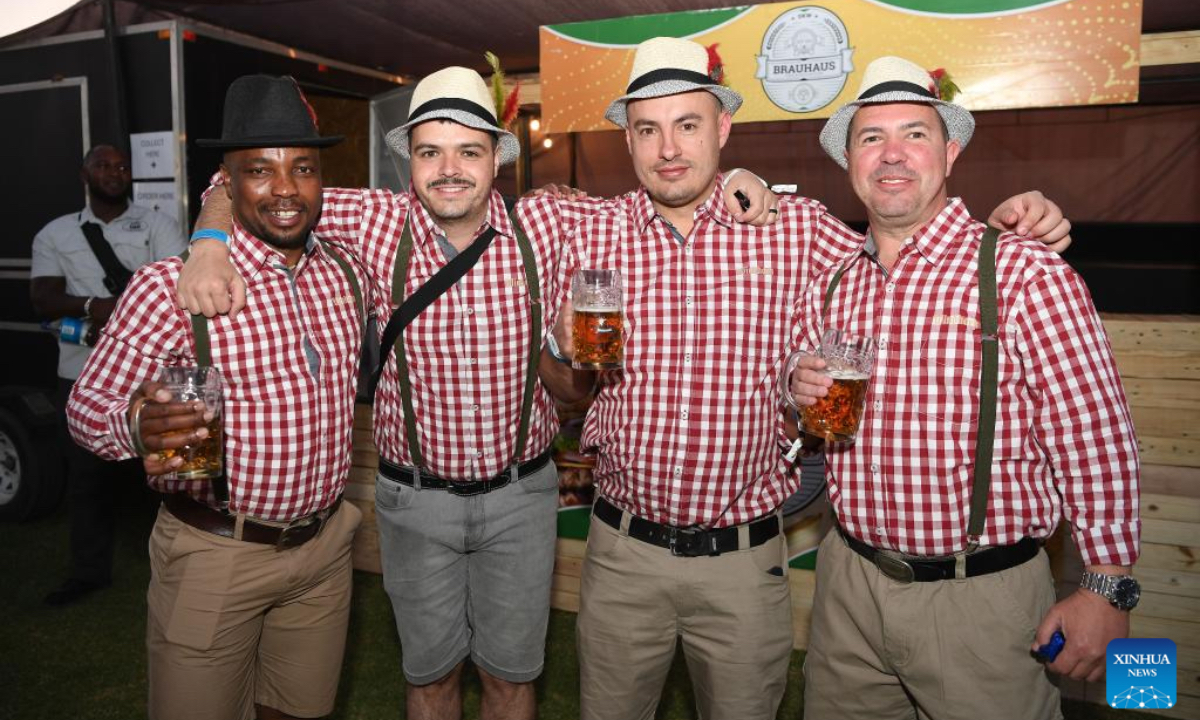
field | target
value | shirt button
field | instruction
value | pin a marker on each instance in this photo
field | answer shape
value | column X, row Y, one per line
column 678, row 471
column 687, row 301
column 470, row 311
column 470, row 361
column 687, row 357
column 479, row 454
column 874, row 468
column 683, row 414
column 891, row 287
column 878, row 531
column 877, row 405
column 475, row 408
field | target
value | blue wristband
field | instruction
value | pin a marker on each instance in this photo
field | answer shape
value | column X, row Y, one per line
column 210, row 234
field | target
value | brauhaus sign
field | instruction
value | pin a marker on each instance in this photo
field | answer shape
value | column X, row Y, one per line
column 801, row 60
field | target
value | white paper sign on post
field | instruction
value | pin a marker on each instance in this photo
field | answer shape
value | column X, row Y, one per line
column 152, row 155
column 160, row 196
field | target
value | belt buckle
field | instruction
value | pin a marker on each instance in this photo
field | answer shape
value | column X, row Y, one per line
column 894, row 567
column 288, row 540
column 683, row 542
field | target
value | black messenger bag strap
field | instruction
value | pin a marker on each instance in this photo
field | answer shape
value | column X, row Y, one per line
column 116, row 275
column 985, row 430
column 408, row 310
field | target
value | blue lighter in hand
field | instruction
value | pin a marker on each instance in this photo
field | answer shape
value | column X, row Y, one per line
column 1050, row 650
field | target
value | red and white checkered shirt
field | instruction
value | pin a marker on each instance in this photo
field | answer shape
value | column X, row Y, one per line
column 1064, row 443
column 688, row 433
column 467, row 351
column 288, row 413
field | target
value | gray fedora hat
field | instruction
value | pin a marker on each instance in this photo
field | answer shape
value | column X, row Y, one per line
column 669, row 66
column 458, row 94
column 895, row 80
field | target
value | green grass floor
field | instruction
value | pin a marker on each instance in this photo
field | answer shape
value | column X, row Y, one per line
column 87, row 661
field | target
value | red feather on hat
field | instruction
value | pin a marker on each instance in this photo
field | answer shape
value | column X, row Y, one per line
column 311, row 113
column 716, row 67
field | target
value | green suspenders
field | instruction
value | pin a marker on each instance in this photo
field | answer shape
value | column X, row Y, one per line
column 400, row 276
column 985, row 429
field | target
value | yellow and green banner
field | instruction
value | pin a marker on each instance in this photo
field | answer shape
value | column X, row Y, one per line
column 801, row 60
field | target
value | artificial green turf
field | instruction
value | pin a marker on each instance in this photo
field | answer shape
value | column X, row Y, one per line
column 88, row 661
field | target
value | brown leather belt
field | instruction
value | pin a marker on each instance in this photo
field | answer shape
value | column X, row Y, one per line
column 293, row 534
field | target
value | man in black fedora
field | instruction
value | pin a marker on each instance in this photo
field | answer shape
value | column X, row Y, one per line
column 249, row 594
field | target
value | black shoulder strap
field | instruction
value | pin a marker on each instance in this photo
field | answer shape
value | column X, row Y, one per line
column 116, row 275
column 220, row 484
column 985, row 431
column 433, row 288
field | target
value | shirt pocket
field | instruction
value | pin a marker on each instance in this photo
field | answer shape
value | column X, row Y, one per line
column 948, row 374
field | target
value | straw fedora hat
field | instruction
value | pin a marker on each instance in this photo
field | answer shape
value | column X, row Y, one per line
column 267, row 111
column 458, row 94
column 669, row 66
column 895, row 80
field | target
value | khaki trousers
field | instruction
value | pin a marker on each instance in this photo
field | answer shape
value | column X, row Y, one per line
column 733, row 613
column 883, row 650
column 235, row 623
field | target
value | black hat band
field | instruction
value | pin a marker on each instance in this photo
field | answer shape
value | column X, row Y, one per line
column 655, row 76
column 897, row 86
column 454, row 104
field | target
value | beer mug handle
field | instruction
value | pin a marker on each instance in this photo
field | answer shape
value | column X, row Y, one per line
column 785, row 378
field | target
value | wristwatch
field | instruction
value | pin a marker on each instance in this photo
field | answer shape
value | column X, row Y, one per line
column 1122, row 591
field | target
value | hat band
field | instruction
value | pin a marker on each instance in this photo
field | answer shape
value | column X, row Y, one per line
column 454, row 104
column 897, row 86
column 668, row 74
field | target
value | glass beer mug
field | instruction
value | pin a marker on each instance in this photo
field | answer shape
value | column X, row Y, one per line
column 597, row 329
column 205, row 459
column 850, row 361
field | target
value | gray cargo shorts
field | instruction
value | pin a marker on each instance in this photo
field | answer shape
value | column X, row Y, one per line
column 470, row 576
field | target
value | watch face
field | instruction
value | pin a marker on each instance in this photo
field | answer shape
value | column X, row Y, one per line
column 1126, row 593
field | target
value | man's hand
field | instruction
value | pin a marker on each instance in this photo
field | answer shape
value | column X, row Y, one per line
column 1088, row 622
column 163, row 424
column 208, row 284
column 808, row 384
column 565, row 192
column 1031, row 214
column 763, row 204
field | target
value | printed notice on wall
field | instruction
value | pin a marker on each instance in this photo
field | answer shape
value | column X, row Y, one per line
column 152, row 155
column 160, row 196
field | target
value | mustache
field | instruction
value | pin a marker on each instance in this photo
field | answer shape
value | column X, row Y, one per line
column 894, row 171
column 440, row 182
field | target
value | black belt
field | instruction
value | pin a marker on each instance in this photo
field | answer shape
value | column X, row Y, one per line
column 294, row 534
column 906, row 569
column 687, row 542
column 412, row 477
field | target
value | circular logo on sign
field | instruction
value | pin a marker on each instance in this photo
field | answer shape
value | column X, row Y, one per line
column 805, row 59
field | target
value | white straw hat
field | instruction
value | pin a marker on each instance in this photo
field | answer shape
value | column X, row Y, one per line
column 458, row 94
column 669, row 66
column 895, row 80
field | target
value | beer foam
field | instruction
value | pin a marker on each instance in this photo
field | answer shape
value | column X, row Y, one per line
column 847, row 375
column 601, row 309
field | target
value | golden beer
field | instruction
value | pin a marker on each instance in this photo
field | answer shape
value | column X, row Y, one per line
column 597, row 335
column 201, row 460
column 836, row 416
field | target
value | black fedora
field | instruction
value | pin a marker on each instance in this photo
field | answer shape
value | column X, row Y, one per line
column 267, row 111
